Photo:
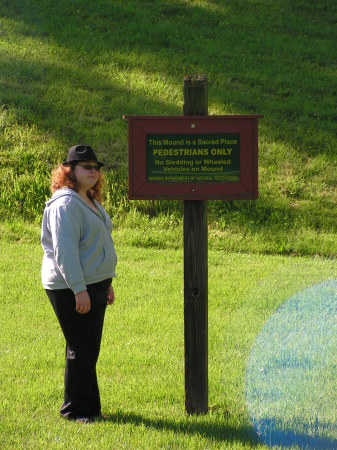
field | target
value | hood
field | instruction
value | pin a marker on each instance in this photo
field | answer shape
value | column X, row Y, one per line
column 63, row 192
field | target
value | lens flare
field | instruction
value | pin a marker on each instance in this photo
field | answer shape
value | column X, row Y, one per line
column 291, row 378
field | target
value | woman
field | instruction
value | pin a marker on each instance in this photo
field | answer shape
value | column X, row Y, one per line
column 78, row 266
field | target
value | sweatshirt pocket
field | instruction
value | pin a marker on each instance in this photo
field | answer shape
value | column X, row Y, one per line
column 92, row 264
column 108, row 264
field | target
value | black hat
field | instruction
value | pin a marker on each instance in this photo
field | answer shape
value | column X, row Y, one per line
column 81, row 152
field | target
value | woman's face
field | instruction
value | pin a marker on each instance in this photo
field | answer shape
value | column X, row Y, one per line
column 86, row 177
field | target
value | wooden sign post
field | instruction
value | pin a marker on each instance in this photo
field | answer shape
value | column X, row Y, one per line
column 194, row 158
column 196, row 273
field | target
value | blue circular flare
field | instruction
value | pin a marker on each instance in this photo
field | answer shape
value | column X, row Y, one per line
column 291, row 378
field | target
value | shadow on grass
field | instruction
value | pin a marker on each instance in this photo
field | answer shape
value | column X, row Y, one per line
column 216, row 431
column 222, row 432
column 271, row 436
column 276, row 60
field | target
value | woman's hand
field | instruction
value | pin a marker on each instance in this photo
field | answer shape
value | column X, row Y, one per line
column 111, row 295
column 83, row 304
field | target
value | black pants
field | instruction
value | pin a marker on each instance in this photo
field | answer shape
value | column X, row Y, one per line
column 83, row 333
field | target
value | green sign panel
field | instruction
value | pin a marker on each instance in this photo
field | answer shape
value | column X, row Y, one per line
column 180, row 158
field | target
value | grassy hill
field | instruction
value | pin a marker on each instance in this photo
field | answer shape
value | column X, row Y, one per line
column 69, row 70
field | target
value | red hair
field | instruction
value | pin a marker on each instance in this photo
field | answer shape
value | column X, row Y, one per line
column 63, row 176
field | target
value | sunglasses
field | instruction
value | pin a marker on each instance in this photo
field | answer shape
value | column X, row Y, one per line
column 89, row 167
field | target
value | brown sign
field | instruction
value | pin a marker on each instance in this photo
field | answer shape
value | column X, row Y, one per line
column 193, row 157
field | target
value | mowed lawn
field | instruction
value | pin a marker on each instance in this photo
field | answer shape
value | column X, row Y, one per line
column 141, row 366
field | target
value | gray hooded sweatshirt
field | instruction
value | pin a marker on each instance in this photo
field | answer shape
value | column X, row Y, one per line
column 77, row 243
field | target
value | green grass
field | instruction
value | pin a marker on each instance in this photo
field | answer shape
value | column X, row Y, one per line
column 70, row 70
column 141, row 366
column 291, row 371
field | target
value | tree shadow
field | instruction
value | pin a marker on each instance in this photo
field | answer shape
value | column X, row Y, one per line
column 77, row 66
column 74, row 104
column 243, row 49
